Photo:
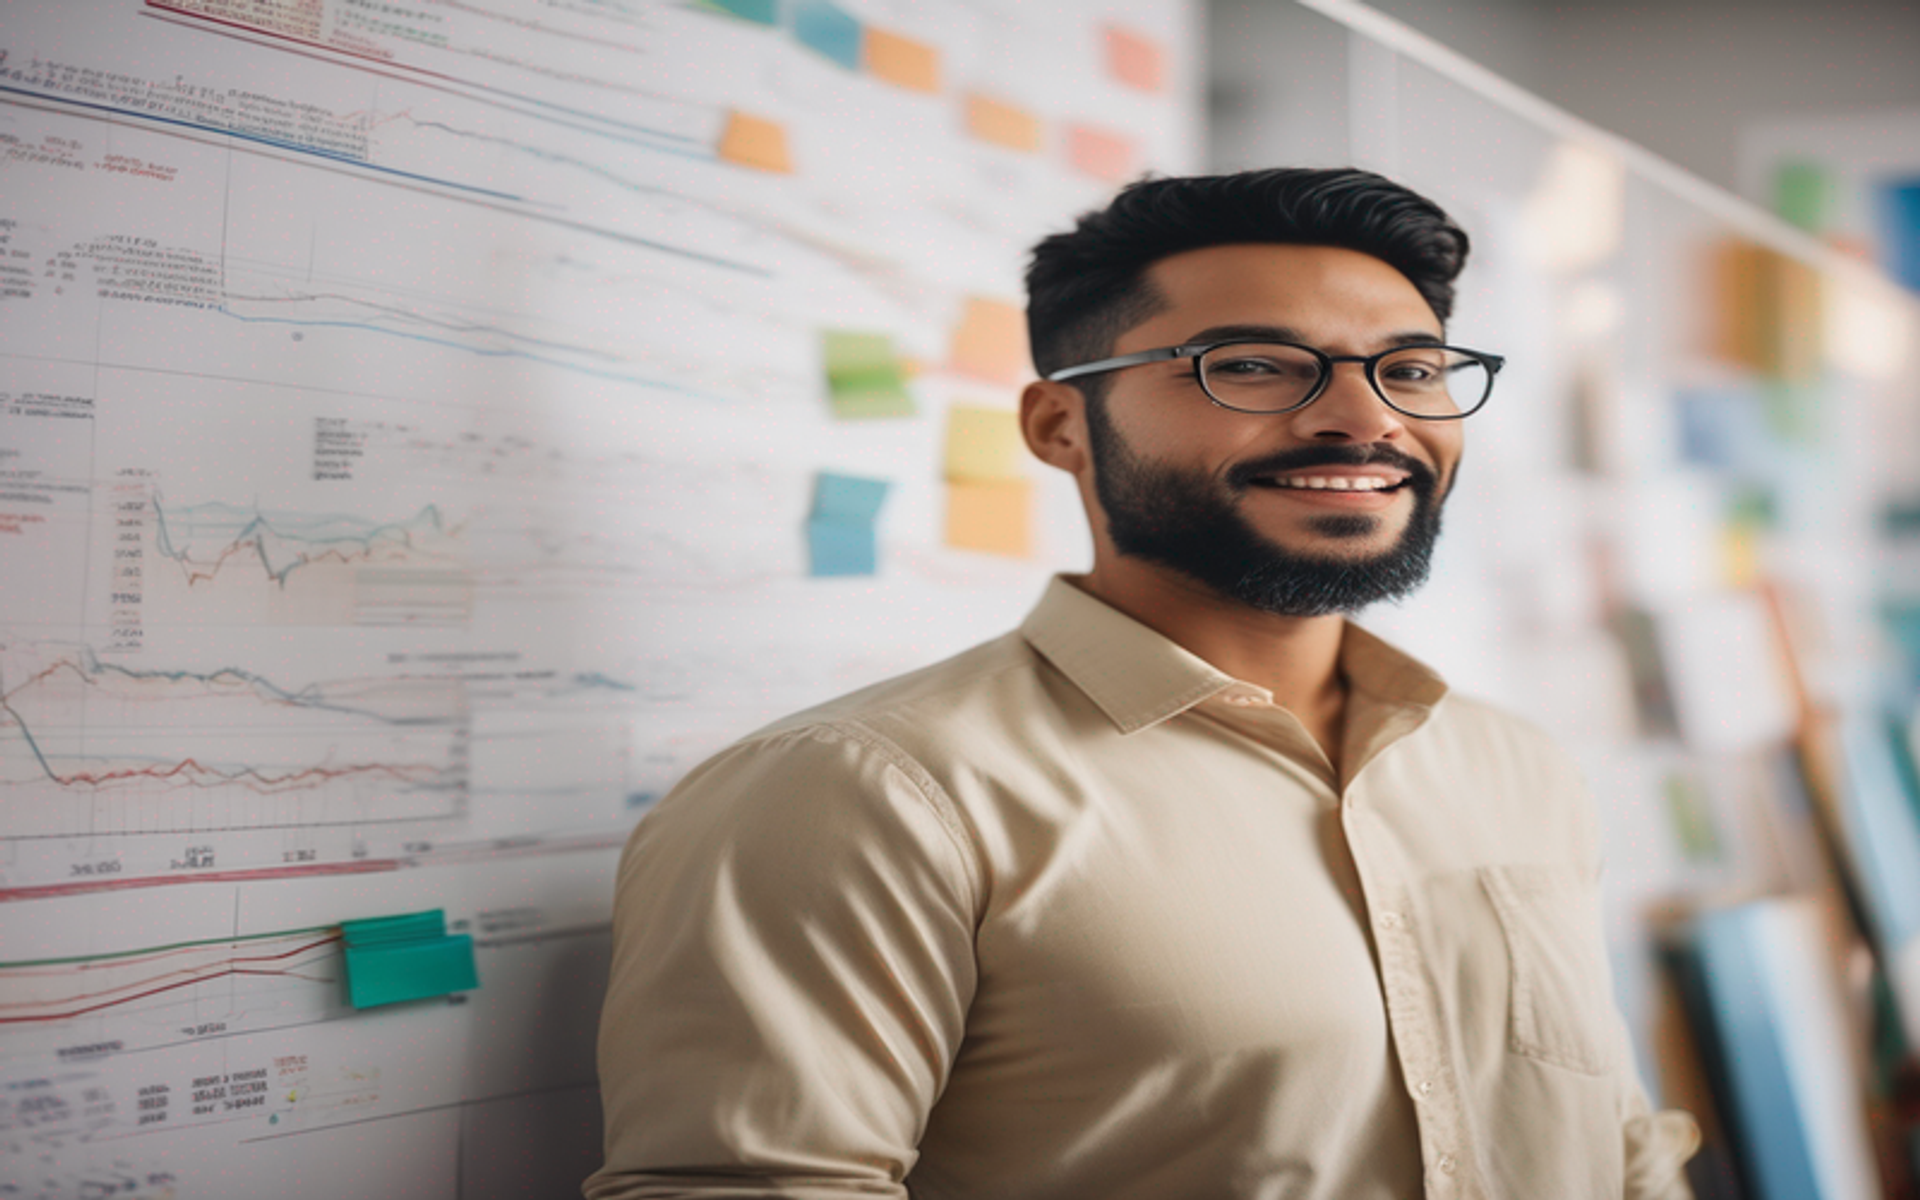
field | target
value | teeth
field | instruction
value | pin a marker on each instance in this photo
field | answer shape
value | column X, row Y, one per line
column 1337, row 483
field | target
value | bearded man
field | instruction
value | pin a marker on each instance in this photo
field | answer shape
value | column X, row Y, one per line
column 1189, row 886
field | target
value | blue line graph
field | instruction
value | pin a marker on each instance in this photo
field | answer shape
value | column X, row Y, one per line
column 483, row 351
column 276, row 143
column 312, row 537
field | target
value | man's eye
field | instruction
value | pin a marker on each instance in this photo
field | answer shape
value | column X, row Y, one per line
column 1412, row 372
column 1253, row 368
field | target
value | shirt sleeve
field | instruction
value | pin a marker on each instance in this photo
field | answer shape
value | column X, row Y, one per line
column 793, row 962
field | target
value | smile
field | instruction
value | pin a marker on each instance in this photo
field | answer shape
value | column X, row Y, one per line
column 1331, row 483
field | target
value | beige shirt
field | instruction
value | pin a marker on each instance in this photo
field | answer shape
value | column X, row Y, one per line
column 1076, row 915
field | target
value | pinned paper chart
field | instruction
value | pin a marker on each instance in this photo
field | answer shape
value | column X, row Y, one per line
column 427, row 436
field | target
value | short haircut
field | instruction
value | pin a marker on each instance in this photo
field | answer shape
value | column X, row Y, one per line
column 1087, row 286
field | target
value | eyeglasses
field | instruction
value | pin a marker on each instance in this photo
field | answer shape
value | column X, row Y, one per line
column 1429, row 383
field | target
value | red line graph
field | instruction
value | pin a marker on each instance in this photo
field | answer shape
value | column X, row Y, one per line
column 82, row 1003
column 126, row 883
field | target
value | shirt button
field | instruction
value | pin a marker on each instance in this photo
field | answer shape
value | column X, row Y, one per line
column 1242, row 700
column 1425, row 1087
column 1446, row 1164
column 1389, row 920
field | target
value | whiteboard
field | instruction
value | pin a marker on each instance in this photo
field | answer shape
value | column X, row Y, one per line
column 418, row 433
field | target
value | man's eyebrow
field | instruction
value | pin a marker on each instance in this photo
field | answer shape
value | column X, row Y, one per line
column 1287, row 333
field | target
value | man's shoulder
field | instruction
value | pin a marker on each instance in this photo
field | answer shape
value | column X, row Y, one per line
column 998, row 685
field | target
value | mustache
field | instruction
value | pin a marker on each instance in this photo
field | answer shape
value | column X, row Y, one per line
column 1419, row 474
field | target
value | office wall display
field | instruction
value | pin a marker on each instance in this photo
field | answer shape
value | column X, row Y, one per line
column 426, row 430
column 1683, row 542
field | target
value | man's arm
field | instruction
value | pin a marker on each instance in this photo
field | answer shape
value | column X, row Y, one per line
column 793, row 962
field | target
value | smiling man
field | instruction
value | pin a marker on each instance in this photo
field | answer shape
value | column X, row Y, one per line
column 1189, row 886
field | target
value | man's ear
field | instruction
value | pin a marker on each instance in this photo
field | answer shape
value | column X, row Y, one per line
column 1053, row 419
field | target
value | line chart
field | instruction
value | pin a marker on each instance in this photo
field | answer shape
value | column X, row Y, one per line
column 203, row 540
column 181, row 750
column 61, row 989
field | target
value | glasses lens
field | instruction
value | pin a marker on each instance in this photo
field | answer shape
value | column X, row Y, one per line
column 1434, row 381
column 1260, row 376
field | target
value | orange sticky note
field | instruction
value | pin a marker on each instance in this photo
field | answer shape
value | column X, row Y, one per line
column 1002, row 124
column 756, row 142
column 991, row 341
column 993, row 516
column 1136, row 59
column 1099, row 153
column 902, row 61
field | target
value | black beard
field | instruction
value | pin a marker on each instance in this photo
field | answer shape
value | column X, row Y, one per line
column 1187, row 521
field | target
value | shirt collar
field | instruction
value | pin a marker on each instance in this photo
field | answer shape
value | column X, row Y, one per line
column 1139, row 678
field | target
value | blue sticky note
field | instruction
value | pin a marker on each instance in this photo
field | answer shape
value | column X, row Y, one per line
column 840, row 548
column 1900, row 216
column 847, row 498
column 829, row 31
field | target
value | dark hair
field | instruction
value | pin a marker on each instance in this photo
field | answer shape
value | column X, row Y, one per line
column 1087, row 286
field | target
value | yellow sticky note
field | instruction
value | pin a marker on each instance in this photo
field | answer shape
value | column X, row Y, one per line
column 756, row 142
column 991, row 340
column 1002, row 124
column 902, row 61
column 983, row 443
column 1135, row 59
column 994, row 516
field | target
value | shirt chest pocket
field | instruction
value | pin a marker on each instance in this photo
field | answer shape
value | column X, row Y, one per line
column 1560, row 994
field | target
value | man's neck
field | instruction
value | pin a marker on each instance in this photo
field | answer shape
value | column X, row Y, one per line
column 1295, row 658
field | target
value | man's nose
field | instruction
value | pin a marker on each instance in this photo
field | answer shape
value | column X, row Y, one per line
column 1348, row 409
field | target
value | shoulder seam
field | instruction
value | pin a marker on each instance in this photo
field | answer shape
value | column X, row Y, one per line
column 929, row 789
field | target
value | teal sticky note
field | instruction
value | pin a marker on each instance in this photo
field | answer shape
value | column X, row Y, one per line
column 837, row 548
column 829, row 31
column 396, row 971
column 848, row 498
column 405, row 957
column 760, row 12
column 840, row 535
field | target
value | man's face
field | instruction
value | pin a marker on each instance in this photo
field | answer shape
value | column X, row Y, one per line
column 1322, row 510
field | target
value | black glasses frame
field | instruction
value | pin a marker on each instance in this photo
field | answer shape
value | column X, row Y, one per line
column 1370, row 364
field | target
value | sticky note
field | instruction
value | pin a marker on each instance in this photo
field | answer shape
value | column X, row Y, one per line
column 409, row 957
column 865, row 377
column 991, row 340
column 829, row 31
column 840, row 528
column 1002, row 124
column 760, row 12
column 1135, row 59
column 994, row 516
column 983, row 443
column 847, row 498
column 902, row 61
column 756, row 142
column 1099, row 153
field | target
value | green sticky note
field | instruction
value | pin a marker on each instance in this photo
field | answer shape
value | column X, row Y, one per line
column 864, row 375
column 390, row 973
column 1803, row 195
column 406, row 957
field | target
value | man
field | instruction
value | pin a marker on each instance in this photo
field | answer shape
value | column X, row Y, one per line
column 1189, row 887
